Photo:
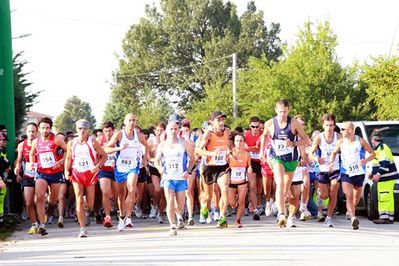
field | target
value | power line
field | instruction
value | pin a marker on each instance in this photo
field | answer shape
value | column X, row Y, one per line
column 174, row 69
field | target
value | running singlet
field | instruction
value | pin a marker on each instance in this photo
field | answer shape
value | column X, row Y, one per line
column 128, row 159
column 351, row 154
column 109, row 164
column 175, row 161
column 298, row 174
column 47, row 156
column 278, row 148
column 83, row 156
column 251, row 141
column 28, row 174
column 214, row 143
column 238, row 166
column 325, row 150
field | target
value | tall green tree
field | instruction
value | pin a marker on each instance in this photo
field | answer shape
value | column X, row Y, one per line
column 381, row 78
column 186, row 46
column 310, row 76
column 74, row 110
column 23, row 98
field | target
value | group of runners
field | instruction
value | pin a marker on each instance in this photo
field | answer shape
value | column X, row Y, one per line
column 218, row 168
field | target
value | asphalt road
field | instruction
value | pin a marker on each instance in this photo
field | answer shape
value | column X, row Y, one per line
column 260, row 242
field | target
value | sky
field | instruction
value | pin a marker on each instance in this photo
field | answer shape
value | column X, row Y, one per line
column 74, row 44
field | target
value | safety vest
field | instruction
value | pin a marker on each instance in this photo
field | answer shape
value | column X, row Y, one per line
column 384, row 163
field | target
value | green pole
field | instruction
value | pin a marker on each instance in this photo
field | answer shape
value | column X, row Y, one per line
column 7, row 115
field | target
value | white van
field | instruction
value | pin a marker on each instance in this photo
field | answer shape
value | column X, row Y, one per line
column 390, row 133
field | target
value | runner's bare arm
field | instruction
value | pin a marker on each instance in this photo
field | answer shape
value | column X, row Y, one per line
column 304, row 138
column 201, row 150
column 111, row 145
column 313, row 148
column 68, row 160
column 18, row 161
column 370, row 150
column 60, row 143
column 263, row 139
column 101, row 152
column 250, row 171
column 146, row 149
column 335, row 151
column 158, row 158
column 190, row 152
column 32, row 154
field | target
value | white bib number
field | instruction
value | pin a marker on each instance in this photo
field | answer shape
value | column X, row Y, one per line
column 28, row 172
column 280, row 148
column 173, row 166
column 83, row 164
column 220, row 159
column 354, row 168
column 111, row 160
column 125, row 164
column 47, row 159
column 238, row 174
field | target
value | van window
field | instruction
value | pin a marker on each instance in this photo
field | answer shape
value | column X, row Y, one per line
column 390, row 134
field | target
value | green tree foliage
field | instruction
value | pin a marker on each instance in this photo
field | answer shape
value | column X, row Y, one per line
column 74, row 110
column 381, row 78
column 309, row 75
column 23, row 99
column 180, row 47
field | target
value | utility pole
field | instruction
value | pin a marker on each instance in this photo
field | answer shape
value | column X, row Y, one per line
column 235, row 85
column 7, row 113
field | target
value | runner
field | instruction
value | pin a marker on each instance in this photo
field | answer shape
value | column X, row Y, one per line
column 252, row 141
column 240, row 166
column 171, row 161
column 106, row 173
column 127, row 167
column 352, row 149
column 269, row 185
column 28, row 177
column 284, row 158
column 328, row 178
column 62, row 193
column 142, row 179
column 49, row 168
column 81, row 157
column 158, row 198
column 214, row 146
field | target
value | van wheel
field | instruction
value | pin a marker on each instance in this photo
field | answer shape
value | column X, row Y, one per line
column 372, row 203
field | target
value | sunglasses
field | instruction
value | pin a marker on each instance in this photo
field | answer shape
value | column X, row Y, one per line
column 343, row 129
column 254, row 126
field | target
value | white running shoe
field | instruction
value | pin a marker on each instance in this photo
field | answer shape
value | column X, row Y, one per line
column 209, row 219
column 202, row 219
column 328, row 222
column 83, row 233
column 216, row 215
column 121, row 224
column 291, row 222
column 160, row 219
column 180, row 224
column 138, row 212
column 153, row 212
column 268, row 210
column 128, row 222
column 172, row 231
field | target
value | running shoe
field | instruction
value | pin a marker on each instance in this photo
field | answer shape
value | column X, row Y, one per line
column 191, row 221
column 42, row 231
column 172, row 231
column 222, row 223
column 121, row 224
column 348, row 217
column 246, row 212
column 108, row 222
column 256, row 216
column 33, row 230
column 160, row 219
column 291, row 222
column 153, row 212
column 355, row 223
column 50, row 219
column 216, row 215
column 268, row 210
column 128, row 222
column 99, row 218
column 138, row 212
column 202, row 219
column 83, row 233
column 282, row 220
column 320, row 217
column 328, row 222
column 60, row 222
column 180, row 224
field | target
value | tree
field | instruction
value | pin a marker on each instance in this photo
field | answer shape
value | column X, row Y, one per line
column 186, row 46
column 381, row 80
column 310, row 76
column 23, row 99
column 74, row 110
